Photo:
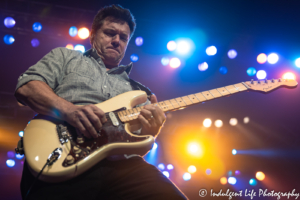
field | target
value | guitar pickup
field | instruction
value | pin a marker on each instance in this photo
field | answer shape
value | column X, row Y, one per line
column 113, row 118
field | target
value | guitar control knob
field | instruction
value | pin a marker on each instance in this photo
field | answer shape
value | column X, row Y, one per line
column 266, row 81
column 76, row 149
column 273, row 80
column 88, row 148
column 80, row 139
column 252, row 81
column 70, row 159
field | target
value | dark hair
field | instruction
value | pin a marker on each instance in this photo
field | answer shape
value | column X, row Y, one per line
column 115, row 11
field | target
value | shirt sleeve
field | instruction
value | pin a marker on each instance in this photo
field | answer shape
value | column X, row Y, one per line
column 48, row 69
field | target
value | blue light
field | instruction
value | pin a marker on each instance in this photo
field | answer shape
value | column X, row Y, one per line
column 184, row 46
column 10, row 163
column 166, row 173
column 8, row 39
column 208, row 171
column 170, row 167
column 211, row 51
column 223, row 70
column 229, row 173
column 251, row 71
column 79, row 47
column 154, row 146
column 203, row 66
column 18, row 156
column 232, row 53
column 21, row 133
column 261, row 74
column 10, row 154
column 186, row 176
column 37, row 27
column 297, row 62
column 252, row 182
column 35, row 42
column 73, row 31
column 234, row 152
column 165, row 61
column 134, row 57
column 9, row 22
column 161, row 166
column 232, row 180
column 237, row 172
column 139, row 41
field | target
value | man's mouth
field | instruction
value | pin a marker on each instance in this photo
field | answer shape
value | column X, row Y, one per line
column 114, row 49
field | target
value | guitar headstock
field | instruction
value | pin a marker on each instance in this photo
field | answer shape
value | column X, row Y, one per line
column 268, row 85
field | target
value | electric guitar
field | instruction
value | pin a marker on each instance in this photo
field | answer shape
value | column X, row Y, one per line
column 46, row 137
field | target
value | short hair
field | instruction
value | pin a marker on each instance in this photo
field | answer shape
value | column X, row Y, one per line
column 115, row 11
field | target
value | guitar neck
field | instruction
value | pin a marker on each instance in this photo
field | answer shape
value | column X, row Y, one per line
column 182, row 102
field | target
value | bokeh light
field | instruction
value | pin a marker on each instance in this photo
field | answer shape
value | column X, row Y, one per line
column 246, row 120
column 70, row 46
column 251, row 71
column 208, row 171
column 273, row 58
column 261, row 74
column 18, row 156
column 175, row 62
column 194, row 149
column 183, row 47
column 83, row 33
column 232, row 53
column 161, row 166
column 203, row 66
column 10, row 163
column 223, row 70
column 211, row 51
column 166, row 173
column 9, row 39
column 289, row 75
column 237, row 172
column 21, row 133
column 154, row 146
column 260, row 176
column 252, row 182
column 234, row 151
column 207, row 122
column 73, row 31
column 261, row 58
column 9, row 22
column 218, row 123
column 171, row 46
column 165, row 61
column 37, row 27
column 186, row 176
column 297, row 62
column 10, row 154
column 134, row 57
column 79, row 47
column 223, row 180
column 170, row 167
column 233, row 121
column 232, row 180
column 139, row 41
column 35, row 42
column 192, row 169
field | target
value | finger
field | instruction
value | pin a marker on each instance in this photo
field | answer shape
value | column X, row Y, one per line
column 93, row 118
column 153, row 98
column 91, row 131
column 100, row 114
column 144, row 121
column 146, row 113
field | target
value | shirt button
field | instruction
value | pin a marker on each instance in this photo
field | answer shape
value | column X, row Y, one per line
column 104, row 86
column 127, row 83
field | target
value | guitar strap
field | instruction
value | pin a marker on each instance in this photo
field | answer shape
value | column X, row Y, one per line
column 138, row 86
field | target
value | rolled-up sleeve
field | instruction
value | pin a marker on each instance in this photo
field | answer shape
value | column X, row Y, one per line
column 49, row 70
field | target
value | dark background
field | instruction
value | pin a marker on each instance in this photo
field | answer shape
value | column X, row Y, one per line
column 270, row 141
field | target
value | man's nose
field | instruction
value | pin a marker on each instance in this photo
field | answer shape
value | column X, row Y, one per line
column 116, row 40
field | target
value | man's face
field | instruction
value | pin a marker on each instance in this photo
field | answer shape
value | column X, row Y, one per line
column 111, row 41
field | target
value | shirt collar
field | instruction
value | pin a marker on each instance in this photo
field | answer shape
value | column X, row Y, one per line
column 117, row 70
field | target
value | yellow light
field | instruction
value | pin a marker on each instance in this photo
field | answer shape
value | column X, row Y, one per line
column 289, row 75
column 260, row 176
column 218, row 123
column 195, row 149
column 83, row 33
column 207, row 122
column 262, row 58
column 192, row 169
column 175, row 62
column 70, row 46
column 223, row 180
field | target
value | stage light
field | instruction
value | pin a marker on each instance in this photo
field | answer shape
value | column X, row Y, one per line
column 139, row 41
column 232, row 53
column 273, row 58
column 10, row 163
column 246, row 120
column 79, row 47
column 10, row 154
column 37, row 27
column 223, row 70
column 83, row 33
column 161, row 166
column 9, row 22
column 175, row 62
column 233, row 121
column 171, row 46
column 166, row 173
column 70, row 46
column 218, row 123
column 261, row 58
column 154, row 146
column 297, row 62
column 73, row 31
column 211, row 51
column 18, row 156
column 260, row 176
column 229, row 173
column 223, row 180
column 9, row 39
column 208, row 171
column 251, row 71
column 289, row 75
column 252, row 182
column 203, row 66
column 234, row 151
column 21, row 133
column 134, row 57
column 165, row 61
column 170, row 167
column 232, row 180
column 35, row 42
column 237, row 172
column 186, row 176
column 195, row 149
column 183, row 47
column 261, row 74
column 207, row 122
column 192, row 169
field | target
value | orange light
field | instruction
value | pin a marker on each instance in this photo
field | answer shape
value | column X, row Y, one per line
column 223, row 180
column 83, row 33
column 195, row 149
column 289, row 75
column 260, row 176
column 70, row 46
column 262, row 58
column 192, row 169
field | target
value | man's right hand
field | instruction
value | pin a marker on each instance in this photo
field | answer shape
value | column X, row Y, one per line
column 87, row 119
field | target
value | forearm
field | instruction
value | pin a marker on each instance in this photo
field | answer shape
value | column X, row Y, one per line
column 41, row 98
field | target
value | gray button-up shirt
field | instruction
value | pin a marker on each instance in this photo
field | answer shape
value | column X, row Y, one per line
column 79, row 78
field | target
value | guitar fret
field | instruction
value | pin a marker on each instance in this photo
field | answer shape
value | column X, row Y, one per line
column 223, row 91
column 163, row 106
column 128, row 115
column 187, row 100
column 231, row 89
column 169, row 104
column 215, row 93
column 200, row 97
column 180, row 102
column 174, row 103
column 193, row 98
column 207, row 95
column 240, row 87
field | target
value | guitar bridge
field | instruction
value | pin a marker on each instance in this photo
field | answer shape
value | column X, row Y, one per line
column 62, row 132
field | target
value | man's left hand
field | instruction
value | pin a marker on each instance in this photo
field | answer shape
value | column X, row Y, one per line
column 152, row 118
